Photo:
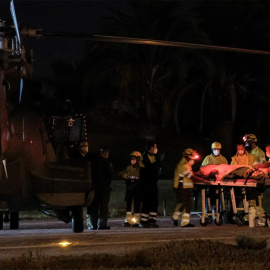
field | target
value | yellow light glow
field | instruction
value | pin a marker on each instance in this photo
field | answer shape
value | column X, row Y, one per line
column 134, row 220
column 65, row 244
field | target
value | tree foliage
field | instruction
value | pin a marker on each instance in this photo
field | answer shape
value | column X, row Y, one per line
column 186, row 89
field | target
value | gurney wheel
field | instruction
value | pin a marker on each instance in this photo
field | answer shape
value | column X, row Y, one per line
column 239, row 221
column 203, row 223
column 219, row 223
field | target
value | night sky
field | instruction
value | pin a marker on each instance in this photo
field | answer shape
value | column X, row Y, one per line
column 57, row 16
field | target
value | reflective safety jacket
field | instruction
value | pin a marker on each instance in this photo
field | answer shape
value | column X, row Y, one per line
column 246, row 159
column 182, row 174
column 214, row 160
column 132, row 174
column 258, row 154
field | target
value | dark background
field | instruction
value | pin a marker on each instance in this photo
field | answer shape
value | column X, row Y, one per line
column 132, row 93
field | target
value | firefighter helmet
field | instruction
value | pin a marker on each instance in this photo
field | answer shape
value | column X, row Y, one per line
column 250, row 138
column 135, row 154
column 192, row 154
column 216, row 145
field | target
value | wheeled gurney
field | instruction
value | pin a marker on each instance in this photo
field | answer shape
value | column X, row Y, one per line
column 227, row 178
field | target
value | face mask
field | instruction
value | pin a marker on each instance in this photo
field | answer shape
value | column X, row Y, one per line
column 216, row 152
column 241, row 152
column 155, row 151
column 191, row 162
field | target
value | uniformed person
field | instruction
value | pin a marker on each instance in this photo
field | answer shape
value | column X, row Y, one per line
column 150, row 168
column 133, row 191
column 242, row 157
column 101, row 178
column 183, row 185
column 253, row 148
column 255, row 196
column 215, row 158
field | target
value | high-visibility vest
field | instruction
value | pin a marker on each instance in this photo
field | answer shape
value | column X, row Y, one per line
column 182, row 174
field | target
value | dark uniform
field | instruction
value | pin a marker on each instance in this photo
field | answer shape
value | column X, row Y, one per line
column 150, row 167
column 101, row 177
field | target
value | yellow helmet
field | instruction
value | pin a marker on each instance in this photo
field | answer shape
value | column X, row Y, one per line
column 190, row 153
column 135, row 154
column 250, row 138
column 216, row 145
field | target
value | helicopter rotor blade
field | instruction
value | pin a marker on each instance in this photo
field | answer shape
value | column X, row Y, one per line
column 13, row 14
column 151, row 42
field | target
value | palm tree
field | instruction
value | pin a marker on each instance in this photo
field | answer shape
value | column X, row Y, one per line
column 154, row 76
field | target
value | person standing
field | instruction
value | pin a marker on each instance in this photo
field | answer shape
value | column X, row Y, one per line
column 242, row 157
column 101, row 176
column 183, row 186
column 251, row 144
column 150, row 168
column 133, row 191
column 255, row 196
column 215, row 158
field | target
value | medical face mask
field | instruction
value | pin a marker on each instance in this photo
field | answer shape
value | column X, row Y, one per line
column 216, row 152
column 241, row 152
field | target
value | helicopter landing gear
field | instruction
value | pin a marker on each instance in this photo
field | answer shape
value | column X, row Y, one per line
column 11, row 217
column 77, row 219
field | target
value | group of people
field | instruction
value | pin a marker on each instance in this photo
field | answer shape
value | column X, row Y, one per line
column 248, row 153
column 141, row 177
column 141, row 187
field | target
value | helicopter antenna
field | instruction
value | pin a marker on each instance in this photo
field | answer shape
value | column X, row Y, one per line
column 13, row 14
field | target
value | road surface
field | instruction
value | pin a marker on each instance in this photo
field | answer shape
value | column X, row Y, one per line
column 43, row 237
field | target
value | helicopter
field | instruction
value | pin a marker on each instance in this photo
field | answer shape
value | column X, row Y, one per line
column 32, row 176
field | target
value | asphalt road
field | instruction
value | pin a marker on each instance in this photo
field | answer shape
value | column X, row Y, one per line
column 43, row 237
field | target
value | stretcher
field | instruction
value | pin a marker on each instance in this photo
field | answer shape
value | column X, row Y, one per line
column 226, row 178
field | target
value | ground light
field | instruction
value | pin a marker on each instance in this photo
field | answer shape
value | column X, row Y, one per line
column 65, row 244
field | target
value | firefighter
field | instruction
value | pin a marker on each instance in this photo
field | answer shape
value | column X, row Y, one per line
column 215, row 158
column 133, row 193
column 242, row 157
column 183, row 186
column 149, row 173
column 255, row 196
column 101, row 176
column 253, row 148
